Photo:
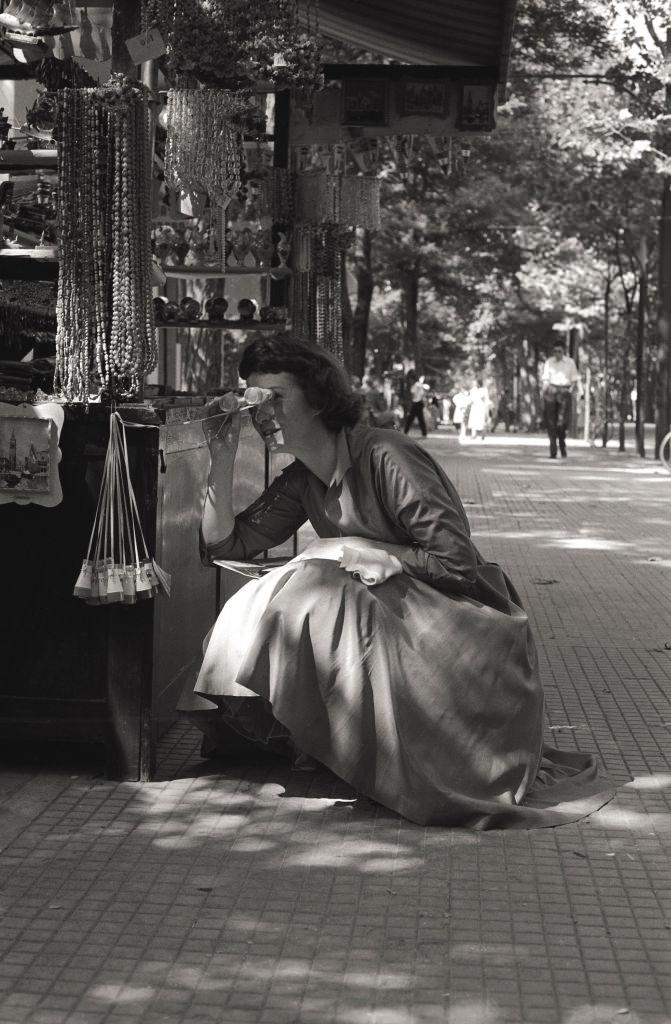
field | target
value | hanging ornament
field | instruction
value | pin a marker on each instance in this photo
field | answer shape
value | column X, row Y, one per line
column 366, row 153
column 445, row 161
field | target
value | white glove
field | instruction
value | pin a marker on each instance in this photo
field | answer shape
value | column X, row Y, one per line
column 366, row 560
column 370, row 565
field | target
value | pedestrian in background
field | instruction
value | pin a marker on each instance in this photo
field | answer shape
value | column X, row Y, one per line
column 559, row 379
column 416, row 411
column 478, row 413
column 460, row 402
column 505, row 412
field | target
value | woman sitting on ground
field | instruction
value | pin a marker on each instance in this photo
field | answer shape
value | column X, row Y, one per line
column 389, row 650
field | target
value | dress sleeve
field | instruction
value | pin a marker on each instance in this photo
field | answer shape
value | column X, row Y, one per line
column 273, row 518
column 424, row 506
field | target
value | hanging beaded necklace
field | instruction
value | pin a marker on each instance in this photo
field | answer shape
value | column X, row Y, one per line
column 105, row 320
column 204, row 146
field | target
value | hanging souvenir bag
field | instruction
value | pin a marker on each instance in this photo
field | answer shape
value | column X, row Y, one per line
column 118, row 567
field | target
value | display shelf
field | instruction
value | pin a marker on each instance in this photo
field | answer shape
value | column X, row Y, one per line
column 221, row 325
column 188, row 272
column 15, row 37
column 15, row 72
column 29, row 264
column 27, row 160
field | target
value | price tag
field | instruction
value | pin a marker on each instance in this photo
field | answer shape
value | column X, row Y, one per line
column 147, row 46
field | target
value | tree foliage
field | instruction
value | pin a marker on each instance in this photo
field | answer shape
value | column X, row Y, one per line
column 552, row 220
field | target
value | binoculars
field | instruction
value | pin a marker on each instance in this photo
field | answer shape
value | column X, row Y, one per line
column 252, row 398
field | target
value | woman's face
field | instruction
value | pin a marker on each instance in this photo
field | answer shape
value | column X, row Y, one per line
column 287, row 412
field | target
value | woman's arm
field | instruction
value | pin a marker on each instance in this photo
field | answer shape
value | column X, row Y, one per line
column 272, row 519
column 424, row 506
column 223, row 433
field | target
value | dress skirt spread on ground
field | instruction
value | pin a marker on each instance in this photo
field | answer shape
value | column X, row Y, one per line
column 422, row 692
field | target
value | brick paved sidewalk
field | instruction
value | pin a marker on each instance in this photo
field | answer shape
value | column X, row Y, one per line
column 245, row 893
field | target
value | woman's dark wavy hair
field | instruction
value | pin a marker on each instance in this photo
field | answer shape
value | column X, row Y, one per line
column 319, row 375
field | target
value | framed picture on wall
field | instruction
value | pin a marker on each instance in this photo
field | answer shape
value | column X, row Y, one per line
column 364, row 101
column 477, row 107
column 423, row 98
column 29, row 453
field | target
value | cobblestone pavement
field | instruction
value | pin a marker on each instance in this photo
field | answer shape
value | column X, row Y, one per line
column 237, row 892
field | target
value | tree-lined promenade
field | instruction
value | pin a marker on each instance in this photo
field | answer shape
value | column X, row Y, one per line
column 559, row 221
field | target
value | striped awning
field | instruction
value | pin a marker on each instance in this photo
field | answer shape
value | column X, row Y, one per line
column 476, row 33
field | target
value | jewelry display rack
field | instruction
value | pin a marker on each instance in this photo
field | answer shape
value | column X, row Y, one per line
column 277, row 284
column 108, row 676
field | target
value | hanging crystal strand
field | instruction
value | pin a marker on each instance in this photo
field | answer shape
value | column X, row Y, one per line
column 145, row 175
column 64, row 188
column 63, row 306
column 87, row 158
column 130, row 236
column 99, row 254
column 117, row 334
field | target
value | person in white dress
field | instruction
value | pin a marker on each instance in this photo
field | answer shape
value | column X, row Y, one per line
column 460, row 403
column 480, row 405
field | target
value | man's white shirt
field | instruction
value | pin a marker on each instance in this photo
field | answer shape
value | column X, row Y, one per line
column 561, row 372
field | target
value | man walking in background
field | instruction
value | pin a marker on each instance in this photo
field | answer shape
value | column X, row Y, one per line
column 416, row 410
column 559, row 379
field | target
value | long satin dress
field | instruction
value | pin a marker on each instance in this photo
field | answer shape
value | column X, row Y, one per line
column 422, row 692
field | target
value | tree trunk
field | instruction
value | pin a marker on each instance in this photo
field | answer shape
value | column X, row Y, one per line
column 410, row 289
column 624, row 397
column 606, row 363
column 663, row 417
column 363, row 270
column 640, row 348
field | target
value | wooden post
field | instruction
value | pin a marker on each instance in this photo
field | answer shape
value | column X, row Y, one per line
column 126, row 23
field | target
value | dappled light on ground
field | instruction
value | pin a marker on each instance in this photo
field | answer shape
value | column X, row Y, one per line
column 240, row 892
column 660, row 781
column 592, row 544
column 602, row 1013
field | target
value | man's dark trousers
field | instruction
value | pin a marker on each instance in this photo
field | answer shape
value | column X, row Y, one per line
column 557, row 412
column 416, row 412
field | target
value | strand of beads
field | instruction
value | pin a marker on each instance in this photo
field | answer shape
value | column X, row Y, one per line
column 204, row 147
column 105, row 324
column 360, row 201
column 282, row 196
column 318, row 198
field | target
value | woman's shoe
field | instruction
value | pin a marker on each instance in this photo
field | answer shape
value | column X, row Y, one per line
column 303, row 762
